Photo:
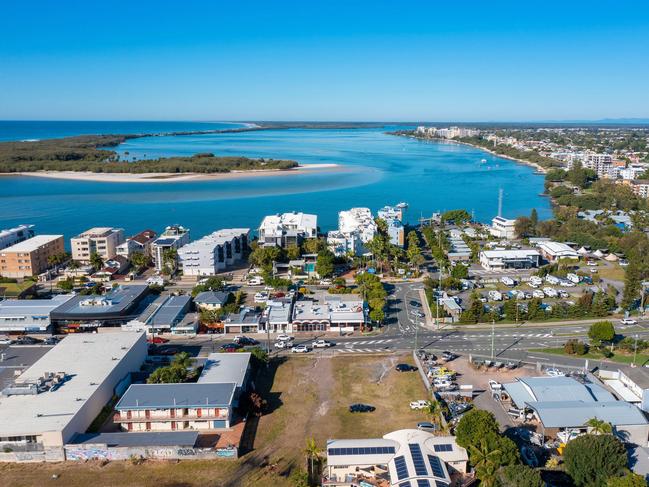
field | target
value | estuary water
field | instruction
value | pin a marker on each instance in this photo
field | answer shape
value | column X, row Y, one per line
column 375, row 169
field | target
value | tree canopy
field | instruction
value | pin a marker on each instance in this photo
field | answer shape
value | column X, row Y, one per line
column 592, row 459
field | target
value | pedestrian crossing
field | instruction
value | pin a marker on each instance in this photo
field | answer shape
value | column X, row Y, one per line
column 513, row 335
column 369, row 342
column 360, row 350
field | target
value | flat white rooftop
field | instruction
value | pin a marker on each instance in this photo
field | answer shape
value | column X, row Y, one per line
column 225, row 368
column 32, row 244
column 87, row 359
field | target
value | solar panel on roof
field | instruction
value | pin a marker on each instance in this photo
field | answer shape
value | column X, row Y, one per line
column 418, row 459
column 443, row 447
column 436, row 466
column 401, row 467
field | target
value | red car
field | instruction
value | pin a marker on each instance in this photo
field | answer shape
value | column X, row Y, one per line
column 157, row 340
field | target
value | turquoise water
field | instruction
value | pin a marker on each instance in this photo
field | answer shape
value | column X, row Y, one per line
column 378, row 168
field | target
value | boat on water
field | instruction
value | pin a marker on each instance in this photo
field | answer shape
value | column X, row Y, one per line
column 483, row 161
column 402, row 205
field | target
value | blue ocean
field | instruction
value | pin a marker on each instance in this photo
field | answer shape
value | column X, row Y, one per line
column 375, row 169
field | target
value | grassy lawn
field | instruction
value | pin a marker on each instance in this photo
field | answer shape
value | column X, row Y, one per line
column 641, row 358
column 308, row 397
column 613, row 272
column 12, row 289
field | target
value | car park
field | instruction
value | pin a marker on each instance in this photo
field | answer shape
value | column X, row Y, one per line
column 421, row 404
column 405, row 368
column 321, row 344
column 230, row 347
column 300, row 349
column 361, row 408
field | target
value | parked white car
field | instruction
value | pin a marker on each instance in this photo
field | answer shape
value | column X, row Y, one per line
column 255, row 281
column 284, row 338
column 321, row 344
column 554, row 372
column 421, row 404
column 261, row 297
column 495, row 385
column 300, row 349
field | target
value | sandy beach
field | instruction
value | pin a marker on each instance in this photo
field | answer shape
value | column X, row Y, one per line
column 172, row 177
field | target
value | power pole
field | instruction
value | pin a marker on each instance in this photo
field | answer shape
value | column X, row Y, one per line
column 635, row 349
column 493, row 331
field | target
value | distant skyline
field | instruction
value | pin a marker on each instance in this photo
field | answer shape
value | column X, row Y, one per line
column 335, row 61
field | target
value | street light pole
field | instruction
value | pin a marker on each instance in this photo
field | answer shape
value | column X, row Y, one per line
column 635, row 348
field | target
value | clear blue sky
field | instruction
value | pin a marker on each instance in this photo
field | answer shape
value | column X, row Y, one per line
column 317, row 60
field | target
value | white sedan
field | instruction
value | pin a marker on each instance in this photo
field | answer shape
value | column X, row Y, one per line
column 321, row 344
column 421, row 404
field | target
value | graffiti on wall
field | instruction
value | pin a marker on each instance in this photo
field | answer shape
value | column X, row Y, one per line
column 83, row 454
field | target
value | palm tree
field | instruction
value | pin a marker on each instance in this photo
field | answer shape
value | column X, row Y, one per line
column 312, row 453
column 169, row 257
column 488, row 474
column 599, row 426
column 96, row 261
column 183, row 359
column 482, row 455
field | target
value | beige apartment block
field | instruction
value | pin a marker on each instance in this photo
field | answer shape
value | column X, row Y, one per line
column 100, row 240
column 30, row 258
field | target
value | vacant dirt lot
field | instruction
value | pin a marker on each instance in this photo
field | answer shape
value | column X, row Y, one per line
column 308, row 397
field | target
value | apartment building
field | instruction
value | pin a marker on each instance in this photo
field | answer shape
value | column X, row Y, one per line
column 30, row 257
column 12, row 236
column 102, row 241
column 503, row 228
column 287, row 229
column 356, row 227
column 639, row 187
column 214, row 253
column 174, row 237
column 140, row 243
column 174, row 407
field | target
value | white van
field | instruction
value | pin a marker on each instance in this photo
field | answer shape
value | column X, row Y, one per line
column 573, row 278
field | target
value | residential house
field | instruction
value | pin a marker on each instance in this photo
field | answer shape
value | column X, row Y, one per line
column 140, row 243
column 211, row 300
